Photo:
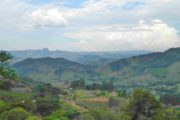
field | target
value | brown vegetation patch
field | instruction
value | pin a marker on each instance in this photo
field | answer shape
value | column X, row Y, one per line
column 97, row 99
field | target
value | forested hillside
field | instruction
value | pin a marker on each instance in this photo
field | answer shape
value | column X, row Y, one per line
column 158, row 72
column 22, row 99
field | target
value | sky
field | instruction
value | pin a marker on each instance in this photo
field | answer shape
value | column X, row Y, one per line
column 89, row 25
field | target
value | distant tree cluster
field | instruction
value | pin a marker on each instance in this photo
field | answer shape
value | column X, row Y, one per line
column 45, row 89
column 78, row 84
column 81, row 84
column 170, row 99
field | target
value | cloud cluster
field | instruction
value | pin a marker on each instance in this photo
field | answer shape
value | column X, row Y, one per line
column 95, row 12
column 153, row 35
column 47, row 17
column 94, row 25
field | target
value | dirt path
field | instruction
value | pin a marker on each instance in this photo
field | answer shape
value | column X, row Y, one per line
column 73, row 104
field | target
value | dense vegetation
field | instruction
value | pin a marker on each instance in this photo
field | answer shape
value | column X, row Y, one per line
column 157, row 72
column 22, row 99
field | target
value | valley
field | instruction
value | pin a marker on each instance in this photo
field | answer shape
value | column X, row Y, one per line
column 58, row 89
column 158, row 72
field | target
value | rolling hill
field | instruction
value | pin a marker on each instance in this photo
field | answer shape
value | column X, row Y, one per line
column 51, row 69
column 158, row 71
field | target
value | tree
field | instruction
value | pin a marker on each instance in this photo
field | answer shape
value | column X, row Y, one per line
column 5, row 69
column 108, row 85
column 5, row 57
column 143, row 105
column 78, row 84
column 45, row 89
column 173, row 99
column 121, row 93
column 94, row 86
column 45, row 106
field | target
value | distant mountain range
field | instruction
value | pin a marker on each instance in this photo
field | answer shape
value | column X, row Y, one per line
column 87, row 58
column 159, row 71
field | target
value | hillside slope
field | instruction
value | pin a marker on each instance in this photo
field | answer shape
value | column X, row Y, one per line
column 158, row 71
column 51, row 69
column 152, row 70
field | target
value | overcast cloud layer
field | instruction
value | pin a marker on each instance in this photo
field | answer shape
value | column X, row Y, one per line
column 90, row 25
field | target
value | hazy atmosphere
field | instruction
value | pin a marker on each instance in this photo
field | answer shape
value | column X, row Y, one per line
column 89, row 25
column 89, row 59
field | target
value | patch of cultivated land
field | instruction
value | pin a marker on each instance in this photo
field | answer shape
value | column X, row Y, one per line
column 97, row 99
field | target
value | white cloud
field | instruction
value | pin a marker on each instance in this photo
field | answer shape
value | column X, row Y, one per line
column 11, row 12
column 46, row 17
column 154, row 35
column 117, row 24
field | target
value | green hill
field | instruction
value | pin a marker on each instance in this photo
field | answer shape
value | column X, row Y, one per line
column 155, row 71
column 51, row 69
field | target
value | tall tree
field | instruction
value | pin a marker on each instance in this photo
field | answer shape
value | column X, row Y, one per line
column 143, row 105
column 5, row 69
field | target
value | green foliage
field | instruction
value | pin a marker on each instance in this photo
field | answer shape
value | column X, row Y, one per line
column 87, row 116
column 33, row 118
column 27, row 104
column 45, row 90
column 108, row 85
column 94, row 86
column 13, row 97
column 65, row 113
column 143, row 105
column 77, row 84
column 8, row 72
column 46, row 105
column 70, row 111
column 173, row 99
column 102, row 114
column 4, row 106
column 59, row 114
column 4, row 57
column 121, row 93
column 14, row 114
column 178, row 112
column 165, row 114
column 5, row 69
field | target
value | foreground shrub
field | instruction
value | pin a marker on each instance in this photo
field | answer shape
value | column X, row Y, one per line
column 33, row 118
column 45, row 106
column 14, row 114
column 58, row 115
column 3, row 106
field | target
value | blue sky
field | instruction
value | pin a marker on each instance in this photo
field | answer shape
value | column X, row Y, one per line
column 68, row 3
column 89, row 25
